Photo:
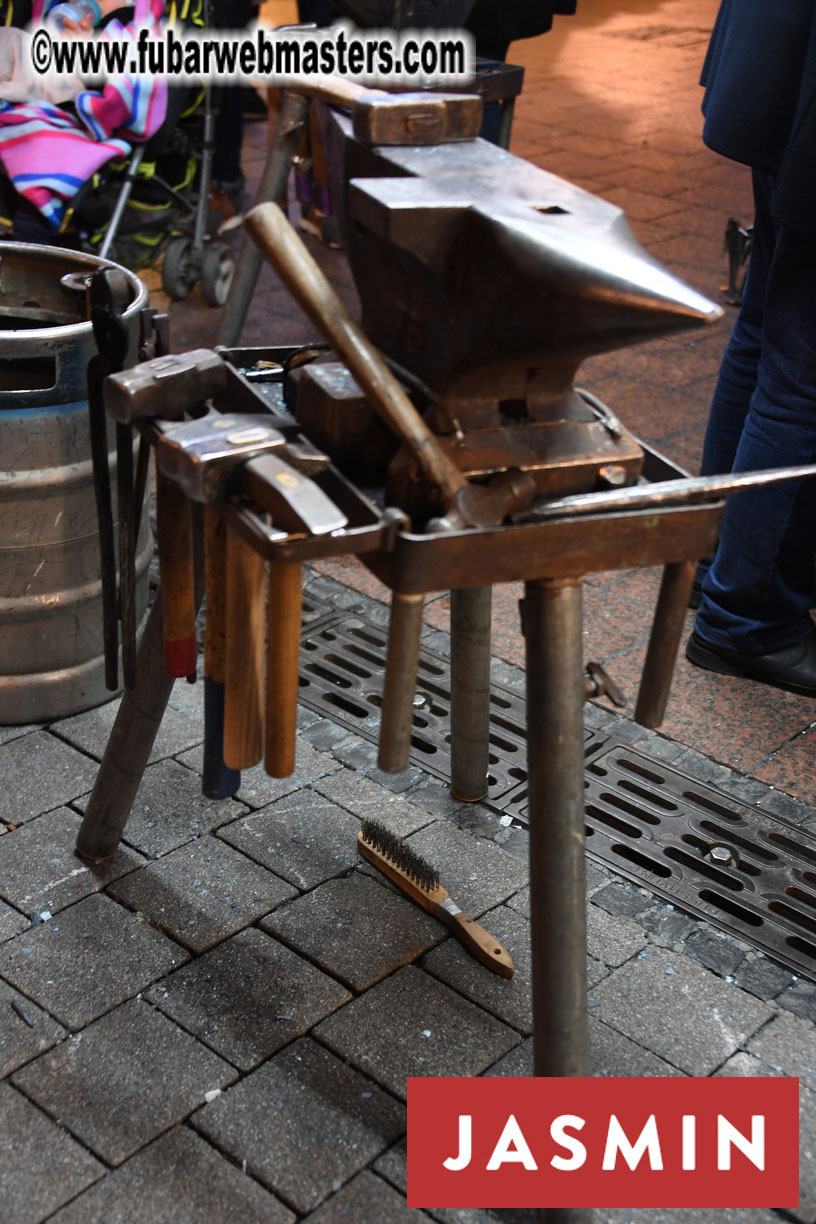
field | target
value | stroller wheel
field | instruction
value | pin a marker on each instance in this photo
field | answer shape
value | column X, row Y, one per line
column 217, row 271
column 178, row 271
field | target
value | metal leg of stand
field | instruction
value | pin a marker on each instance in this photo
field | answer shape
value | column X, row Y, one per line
column 470, row 691
column 272, row 185
column 555, row 756
column 134, row 731
column 667, row 629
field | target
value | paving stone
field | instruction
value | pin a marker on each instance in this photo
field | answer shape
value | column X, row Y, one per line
column 366, row 1198
column 304, row 838
column 716, row 951
column 355, row 929
column 202, row 892
column 178, row 1179
column 393, row 1166
column 124, row 1079
column 171, row 810
column 25, row 1030
column 257, row 788
column 365, row 798
column 611, row 939
column 40, row 869
column 788, row 1044
column 39, row 772
column 800, row 999
column 621, row 900
column 509, row 999
column 610, row 1053
column 411, row 1024
column 248, row 997
column 761, row 977
column 11, row 921
column 435, row 798
column 9, row 733
column 42, row 1166
column 679, row 1010
column 478, row 874
column 298, row 1160
column 666, row 924
column 87, row 959
column 182, row 724
column 324, row 735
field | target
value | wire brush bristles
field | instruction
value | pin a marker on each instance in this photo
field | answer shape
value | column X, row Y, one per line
column 392, row 847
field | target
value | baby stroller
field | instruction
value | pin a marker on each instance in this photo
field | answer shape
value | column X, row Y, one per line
column 127, row 207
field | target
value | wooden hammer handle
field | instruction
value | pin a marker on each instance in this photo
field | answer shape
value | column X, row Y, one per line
column 175, row 546
column 282, row 247
column 282, row 667
column 243, row 698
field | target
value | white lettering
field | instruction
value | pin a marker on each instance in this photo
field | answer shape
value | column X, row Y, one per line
column 455, row 1163
column 689, row 1142
column 558, row 1131
column 728, row 1136
column 519, row 1153
column 616, row 1141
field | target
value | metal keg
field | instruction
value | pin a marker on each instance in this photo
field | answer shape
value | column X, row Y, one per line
column 51, row 659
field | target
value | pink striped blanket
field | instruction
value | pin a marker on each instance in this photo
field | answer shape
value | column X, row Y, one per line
column 49, row 153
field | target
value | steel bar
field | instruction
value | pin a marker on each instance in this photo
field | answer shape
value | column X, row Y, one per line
column 470, row 691
column 134, row 732
column 127, row 550
column 131, row 175
column 271, row 187
column 402, row 660
column 664, row 641
column 552, row 625
column 694, row 490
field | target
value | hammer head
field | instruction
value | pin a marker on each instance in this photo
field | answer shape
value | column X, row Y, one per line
column 203, row 455
column 166, row 387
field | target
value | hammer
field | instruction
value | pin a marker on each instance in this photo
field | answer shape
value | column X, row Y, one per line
column 465, row 505
column 213, row 459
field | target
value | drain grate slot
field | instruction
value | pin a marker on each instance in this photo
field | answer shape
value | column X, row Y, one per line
column 764, row 894
column 341, row 677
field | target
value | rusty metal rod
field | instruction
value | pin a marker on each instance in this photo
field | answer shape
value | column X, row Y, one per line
column 272, row 186
column 134, row 730
column 470, row 612
column 693, row 490
column 402, row 660
column 269, row 228
column 664, row 641
column 555, row 761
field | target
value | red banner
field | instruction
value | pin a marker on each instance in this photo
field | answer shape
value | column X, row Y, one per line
column 651, row 1142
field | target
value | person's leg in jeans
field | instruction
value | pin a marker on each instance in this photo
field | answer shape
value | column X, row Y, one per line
column 757, row 594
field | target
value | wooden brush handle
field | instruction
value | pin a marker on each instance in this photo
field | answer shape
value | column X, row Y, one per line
column 479, row 942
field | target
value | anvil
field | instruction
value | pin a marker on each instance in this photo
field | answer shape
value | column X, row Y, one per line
column 489, row 280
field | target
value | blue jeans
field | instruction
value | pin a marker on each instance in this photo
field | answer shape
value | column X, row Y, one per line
column 759, row 589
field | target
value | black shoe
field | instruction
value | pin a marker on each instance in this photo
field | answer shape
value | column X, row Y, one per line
column 793, row 668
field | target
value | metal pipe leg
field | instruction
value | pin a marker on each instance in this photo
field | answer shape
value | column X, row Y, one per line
column 667, row 629
column 134, row 731
column 272, row 185
column 470, row 691
column 555, row 698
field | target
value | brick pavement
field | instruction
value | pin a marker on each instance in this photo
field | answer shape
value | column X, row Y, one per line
column 217, row 1024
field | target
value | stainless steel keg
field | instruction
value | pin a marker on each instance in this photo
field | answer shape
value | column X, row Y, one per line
column 51, row 660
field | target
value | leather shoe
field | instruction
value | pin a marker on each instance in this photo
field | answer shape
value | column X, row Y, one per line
column 792, row 668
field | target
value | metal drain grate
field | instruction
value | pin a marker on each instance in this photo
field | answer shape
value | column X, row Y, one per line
column 657, row 826
column 342, row 668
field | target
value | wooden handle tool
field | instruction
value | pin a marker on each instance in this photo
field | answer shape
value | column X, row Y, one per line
column 417, row 879
column 282, row 667
column 219, row 781
column 243, row 698
column 175, row 546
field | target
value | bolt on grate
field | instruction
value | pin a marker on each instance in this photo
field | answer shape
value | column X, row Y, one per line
column 341, row 677
column 743, row 870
